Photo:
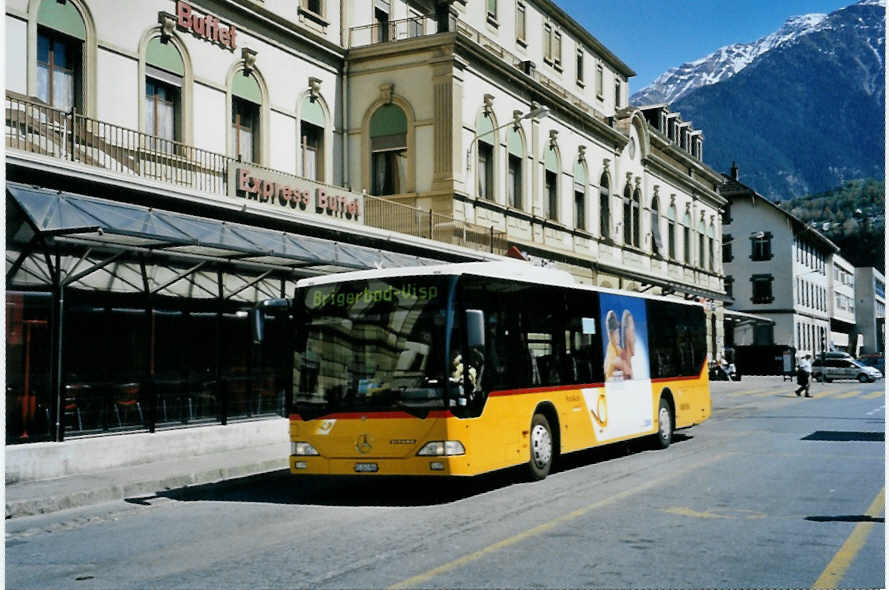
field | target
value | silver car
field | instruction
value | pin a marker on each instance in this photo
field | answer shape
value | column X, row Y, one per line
column 841, row 368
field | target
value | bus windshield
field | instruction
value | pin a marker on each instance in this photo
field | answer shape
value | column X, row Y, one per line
column 373, row 345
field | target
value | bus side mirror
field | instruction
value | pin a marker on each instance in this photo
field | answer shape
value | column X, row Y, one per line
column 475, row 328
column 257, row 316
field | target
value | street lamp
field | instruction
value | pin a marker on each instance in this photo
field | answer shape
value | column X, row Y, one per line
column 539, row 112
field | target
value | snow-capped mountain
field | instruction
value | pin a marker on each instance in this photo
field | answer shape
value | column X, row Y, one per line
column 727, row 61
column 801, row 111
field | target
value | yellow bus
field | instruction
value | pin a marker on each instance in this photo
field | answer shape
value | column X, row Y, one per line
column 462, row 369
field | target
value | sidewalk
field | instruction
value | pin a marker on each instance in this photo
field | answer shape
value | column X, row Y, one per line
column 97, row 485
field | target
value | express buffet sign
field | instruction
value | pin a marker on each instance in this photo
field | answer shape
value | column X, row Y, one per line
column 294, row 194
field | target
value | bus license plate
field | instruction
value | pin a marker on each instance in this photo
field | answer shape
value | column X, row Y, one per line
column 366, row 467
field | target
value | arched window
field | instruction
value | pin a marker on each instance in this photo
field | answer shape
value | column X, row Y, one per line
column 628, row 215
column 311, row 139
column 551, row 184
column 61, row 33
column 514, row 168
column 636, row 221
column 246, row 102
column 671, row 232
column 388, row 145
column 164, row 75
column 604, row 208
column 580, row 194
column 657, row 246
column 686, row 238
column 485, row 147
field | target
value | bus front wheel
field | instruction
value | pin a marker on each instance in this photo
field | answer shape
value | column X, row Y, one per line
column 541, row 445
column 664, row 435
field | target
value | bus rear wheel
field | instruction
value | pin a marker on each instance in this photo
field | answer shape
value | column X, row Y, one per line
column 541, row 447
column 664, row 435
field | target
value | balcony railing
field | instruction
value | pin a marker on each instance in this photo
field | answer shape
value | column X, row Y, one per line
column 34, row 127
column 396, row 30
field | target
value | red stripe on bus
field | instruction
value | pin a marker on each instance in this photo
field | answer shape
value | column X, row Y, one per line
column 543, row 389
column 375, row 415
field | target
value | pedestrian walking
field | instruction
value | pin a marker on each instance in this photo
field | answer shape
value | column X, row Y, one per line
column 804, row 375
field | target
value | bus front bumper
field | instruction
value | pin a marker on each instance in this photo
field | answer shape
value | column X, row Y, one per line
column 313, row 465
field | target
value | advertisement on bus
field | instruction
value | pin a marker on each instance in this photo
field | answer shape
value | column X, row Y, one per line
column 623, row 406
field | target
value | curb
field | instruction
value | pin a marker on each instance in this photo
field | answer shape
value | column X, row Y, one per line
column 110, row 493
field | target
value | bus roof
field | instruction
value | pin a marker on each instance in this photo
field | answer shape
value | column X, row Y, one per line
column 510, row 270
column 517, row 270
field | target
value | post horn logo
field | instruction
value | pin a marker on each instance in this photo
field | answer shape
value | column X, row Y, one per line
column 364, row 443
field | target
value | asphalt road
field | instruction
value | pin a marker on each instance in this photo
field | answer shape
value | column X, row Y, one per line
column 774, row 491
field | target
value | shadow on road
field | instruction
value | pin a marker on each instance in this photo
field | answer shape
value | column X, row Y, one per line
column 280, row 487
column 846, row 518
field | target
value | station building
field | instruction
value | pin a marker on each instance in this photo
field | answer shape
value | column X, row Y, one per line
column 172, row 163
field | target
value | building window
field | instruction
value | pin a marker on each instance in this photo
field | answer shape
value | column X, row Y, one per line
column 657, row 245
column 520, row 23
column 162, row 110
column 579, row 209
column 636, row 214
column 492, row 10
column 313, row 6
column 727, row 214
column 604, row 209
column 547, row 43
column 311, row 140
column 485, row 170
column 729, row 286
column 686, row 239
column 761, row 246
column 702, row 262
column 381, row 24
column 671, row 232
column 515, row 181
column 710, row 257
column 59, row 73
column 389, row 157
column 762, row 288
column 580, row 67
column 550, row 188
column 617, row 94
column 245, row 119
column 557, row 49
column 600, row 80
column 164, row 73
column 727, row 248
column 628, row 216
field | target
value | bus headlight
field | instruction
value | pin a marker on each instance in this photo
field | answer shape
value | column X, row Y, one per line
column 302, row 449
column 442, row 448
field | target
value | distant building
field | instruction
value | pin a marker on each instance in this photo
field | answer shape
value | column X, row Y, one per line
column 842, row 304
column 776, row 266
column 870, row 309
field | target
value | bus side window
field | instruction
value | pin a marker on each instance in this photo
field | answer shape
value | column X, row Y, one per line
column 583, row 343
column 663, row 340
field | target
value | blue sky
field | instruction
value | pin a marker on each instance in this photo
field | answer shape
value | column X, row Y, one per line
column 651, row 36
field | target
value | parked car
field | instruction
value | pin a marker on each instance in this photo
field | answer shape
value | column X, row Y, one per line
column 829, row 369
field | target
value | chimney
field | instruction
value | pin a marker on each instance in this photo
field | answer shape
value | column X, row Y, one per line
column 734, row 172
